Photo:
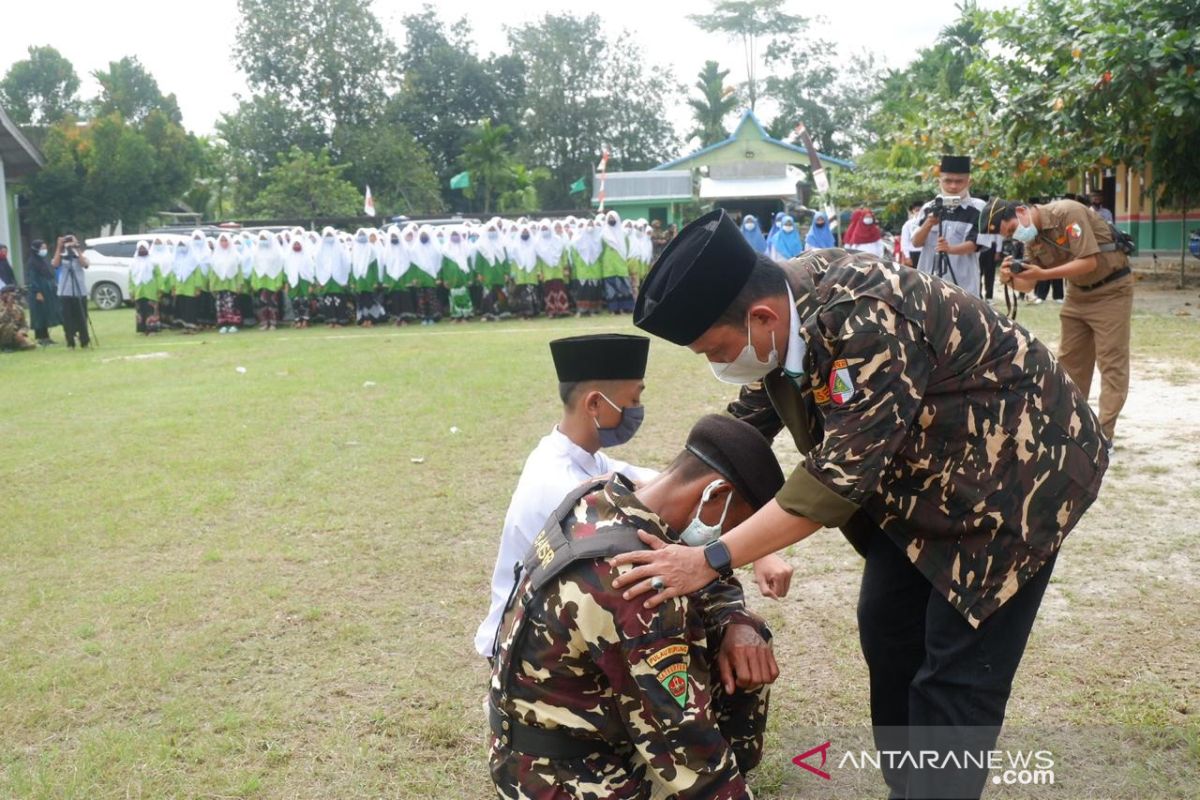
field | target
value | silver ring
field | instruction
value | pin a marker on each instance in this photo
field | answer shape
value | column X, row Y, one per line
column 657, row 583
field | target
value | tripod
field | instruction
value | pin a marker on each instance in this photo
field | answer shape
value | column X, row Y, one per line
column 83, row 302
column 943, row 259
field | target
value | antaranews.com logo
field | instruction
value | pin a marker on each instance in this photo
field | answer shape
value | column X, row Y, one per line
column 1008, row 767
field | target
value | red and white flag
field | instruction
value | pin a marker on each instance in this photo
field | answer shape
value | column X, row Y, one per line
column 369, row 204
column 603, row 170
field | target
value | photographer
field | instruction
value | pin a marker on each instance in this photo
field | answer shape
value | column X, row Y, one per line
column 1066, row 239
column 955, row 214
column 72, row 289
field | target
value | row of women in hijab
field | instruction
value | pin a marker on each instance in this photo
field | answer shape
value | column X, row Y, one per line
column 415, row 273
column 784, row 241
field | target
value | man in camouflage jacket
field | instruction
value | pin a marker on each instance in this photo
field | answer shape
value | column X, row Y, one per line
column 593, row 696
column 943, row 439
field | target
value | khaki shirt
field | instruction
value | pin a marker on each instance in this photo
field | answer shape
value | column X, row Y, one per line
column 1069, row 230
column 945, row 424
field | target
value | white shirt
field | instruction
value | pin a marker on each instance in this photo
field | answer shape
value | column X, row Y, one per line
column 906, row 234
column 555, row 467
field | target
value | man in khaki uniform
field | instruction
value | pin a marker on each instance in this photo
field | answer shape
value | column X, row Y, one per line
column 1066, row 239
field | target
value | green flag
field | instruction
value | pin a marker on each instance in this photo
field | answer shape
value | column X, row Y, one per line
column 578, row 186
column 461, row 181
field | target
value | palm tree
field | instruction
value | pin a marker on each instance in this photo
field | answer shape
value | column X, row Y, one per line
column 489, row 162
column 714, row 104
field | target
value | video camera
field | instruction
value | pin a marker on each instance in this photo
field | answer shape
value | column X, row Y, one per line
column 944, row 203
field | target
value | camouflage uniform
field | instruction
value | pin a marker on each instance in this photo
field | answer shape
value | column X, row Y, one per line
column 926, row 414
column 12, row 323
column 578, row 660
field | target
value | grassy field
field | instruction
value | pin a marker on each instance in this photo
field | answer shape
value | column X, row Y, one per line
column 217, row 583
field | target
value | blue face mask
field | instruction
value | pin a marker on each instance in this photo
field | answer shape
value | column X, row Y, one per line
column 698, row 533
column 631, row 420
column 1025, row 233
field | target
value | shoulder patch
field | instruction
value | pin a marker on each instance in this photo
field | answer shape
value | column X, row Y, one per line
column 657, row 657
column 841, row 384
column 1074, row 230
column 675, row 680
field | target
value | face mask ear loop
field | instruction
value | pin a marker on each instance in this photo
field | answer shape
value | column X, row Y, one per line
column 706, row 495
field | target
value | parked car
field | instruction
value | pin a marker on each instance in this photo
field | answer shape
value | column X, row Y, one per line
column 109, row 258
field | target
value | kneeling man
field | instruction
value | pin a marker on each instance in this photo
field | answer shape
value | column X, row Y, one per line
column 594, row 696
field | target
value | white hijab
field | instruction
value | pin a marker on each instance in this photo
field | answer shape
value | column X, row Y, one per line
column 226, row 261
column 141, row 269
column 459, row 252
column 394, row 255
column 427, row 255
column 297, row 264
column 614, row 235
column 523, row 252
column 267, row 260
column 549, row 244
column 588, row 243
column 362, row 253
column 184, row 263
column 491, row 244
column 330, row 259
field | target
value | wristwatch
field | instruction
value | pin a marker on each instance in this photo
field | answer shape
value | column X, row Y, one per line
column 718, row 558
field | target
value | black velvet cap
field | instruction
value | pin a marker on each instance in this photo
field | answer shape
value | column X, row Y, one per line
column 600, row 357
column 739, row 454
column 959, row 165
column 695, row 279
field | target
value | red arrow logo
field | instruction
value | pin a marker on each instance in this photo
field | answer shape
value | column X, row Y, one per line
column 823, row 749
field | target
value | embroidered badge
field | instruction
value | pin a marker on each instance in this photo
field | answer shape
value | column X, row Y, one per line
column 1074, row 231
column 821, row 395
column 674, row 680
column 656, row 658
column 841, row 385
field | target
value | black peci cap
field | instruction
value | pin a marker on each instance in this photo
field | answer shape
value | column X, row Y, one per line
column 959, row 165
column 739, row 454
column 600, row 357
column 695, row 279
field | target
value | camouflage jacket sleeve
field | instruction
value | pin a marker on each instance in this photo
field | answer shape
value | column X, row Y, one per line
column 754, row 406
column 876, row 371
column 656, row 665
column 722, row 604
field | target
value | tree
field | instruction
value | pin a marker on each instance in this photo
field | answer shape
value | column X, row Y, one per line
column 752, row 22
column 447, row 90
column 714, row 104
column 329, row 58
column 584, row 92
column 306, row 185
column 257, row 134
column 386, row 157
column 126, row 88
column 489, row 162
column 833, row 99
column 40, row 90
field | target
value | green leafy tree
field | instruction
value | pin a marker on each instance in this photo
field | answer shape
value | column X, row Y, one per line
column 58, row 201
column 715, row 103
column 833, row 99
column 262, row 128
column 489, row 162
column 387, row 158
column 447, row 89
column 41, row 89
column 523, row 196
column 760, row 25
column 306, row 185
column 330, row 58
column 126, row 88
column 583, row 92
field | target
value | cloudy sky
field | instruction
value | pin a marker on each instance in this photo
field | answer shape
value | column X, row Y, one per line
column 192, row 58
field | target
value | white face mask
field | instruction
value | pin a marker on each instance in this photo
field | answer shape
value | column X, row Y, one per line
column 699, row 533
column 868, row 220
column 746, row 368
column 1025, row 233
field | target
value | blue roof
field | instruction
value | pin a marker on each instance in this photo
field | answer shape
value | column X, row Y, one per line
column 763, row 135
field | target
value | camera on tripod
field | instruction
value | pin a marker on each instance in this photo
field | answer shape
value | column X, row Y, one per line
column 943, row 204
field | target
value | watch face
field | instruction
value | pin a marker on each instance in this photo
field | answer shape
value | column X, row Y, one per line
column 717, row 556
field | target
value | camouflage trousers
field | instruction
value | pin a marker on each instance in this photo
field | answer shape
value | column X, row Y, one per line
column 741, row 717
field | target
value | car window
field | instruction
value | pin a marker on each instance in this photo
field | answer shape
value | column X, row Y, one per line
column 116, row 249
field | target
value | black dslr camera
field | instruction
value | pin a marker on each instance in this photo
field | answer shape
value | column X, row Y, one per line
column 1015, row 251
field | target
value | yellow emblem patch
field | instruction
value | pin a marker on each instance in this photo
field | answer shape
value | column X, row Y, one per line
column 662, row 655
column 545, row 552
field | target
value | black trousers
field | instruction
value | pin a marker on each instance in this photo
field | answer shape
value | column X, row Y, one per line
column 987, row 269
column 1043, row 288
column 74, row 313
column 936, row 682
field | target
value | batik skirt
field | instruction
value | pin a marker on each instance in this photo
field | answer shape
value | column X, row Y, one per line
column 618, row 295
column 557, row 302
column 147, row 316
column 266, row 307
column 229, row 311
